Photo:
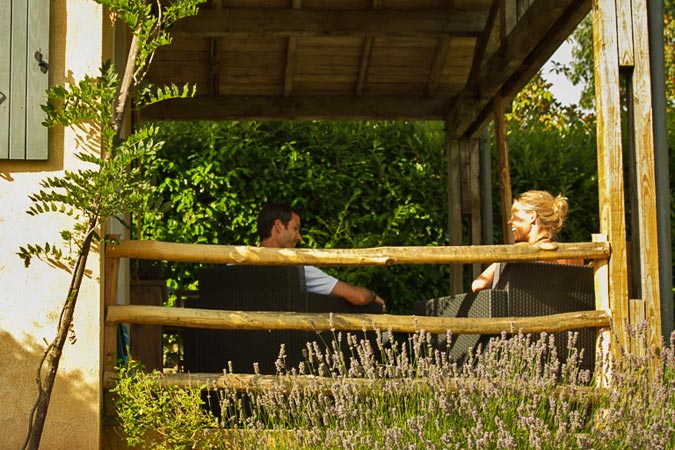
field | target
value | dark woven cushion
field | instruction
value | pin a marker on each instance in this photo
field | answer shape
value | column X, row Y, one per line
column 523, row 290
column 256, row 288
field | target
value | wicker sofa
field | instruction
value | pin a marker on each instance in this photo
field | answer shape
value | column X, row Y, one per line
column 256, row 288
column 521, row 290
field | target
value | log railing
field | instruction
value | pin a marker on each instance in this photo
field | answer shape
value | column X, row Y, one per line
column 598, row 251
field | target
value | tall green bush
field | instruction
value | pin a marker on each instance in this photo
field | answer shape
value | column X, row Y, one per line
column 356, row 184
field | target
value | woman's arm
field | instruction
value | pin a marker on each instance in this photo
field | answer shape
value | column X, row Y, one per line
column 484, row 280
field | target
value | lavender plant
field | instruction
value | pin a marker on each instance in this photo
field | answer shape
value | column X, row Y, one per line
column 513, row 394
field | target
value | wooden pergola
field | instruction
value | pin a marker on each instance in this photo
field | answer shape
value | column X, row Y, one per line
column 456, row 61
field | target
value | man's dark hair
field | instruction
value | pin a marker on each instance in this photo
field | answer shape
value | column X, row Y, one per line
column 271, row 212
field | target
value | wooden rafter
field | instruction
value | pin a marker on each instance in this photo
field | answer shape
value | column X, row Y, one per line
column 297, row 107
column 501, row 72
column 484, row 39
column 440, row 56
column 363, row 66
column 368, row 42
column 289, row 67
column 247, row 23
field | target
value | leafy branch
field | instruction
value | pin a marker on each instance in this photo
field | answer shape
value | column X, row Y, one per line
column 111, row 183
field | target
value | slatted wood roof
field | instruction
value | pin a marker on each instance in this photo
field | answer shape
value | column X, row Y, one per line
column 359, row 59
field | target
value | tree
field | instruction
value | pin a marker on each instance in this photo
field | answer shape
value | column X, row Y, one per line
column 112, row 185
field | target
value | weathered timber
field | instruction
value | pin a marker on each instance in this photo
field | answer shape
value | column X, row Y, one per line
column 454, row 208
column 312, row 383
column 270, row 107
column 642, row 125
column 522, row 43
column 610, row 159
column 225, row 254
column 262, row 320
column 273, row 23
column 503, row 168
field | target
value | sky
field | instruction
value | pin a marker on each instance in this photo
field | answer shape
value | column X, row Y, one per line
column 563, row 90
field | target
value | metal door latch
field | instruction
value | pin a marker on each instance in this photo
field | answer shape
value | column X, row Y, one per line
column 44, row 66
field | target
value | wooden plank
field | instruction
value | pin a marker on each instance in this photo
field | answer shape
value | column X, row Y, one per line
column 243, row 23
column 282, row 320
column 215, row 67
column 645, row 174
column 380, row 256
column 111, row 275
column 440, row 57
column 464, row 175
column 296, row 107
column 18, row 63
column 610, row 163
column 604, row 336
column 483, row 40
column 289, row 67
column 364, row 64
column 625, row 32
column 454, row 208
column 503, row 168
column 474, row 189
column 536, row 36
column 146, row 339
column 5, row 71
column 37, row 78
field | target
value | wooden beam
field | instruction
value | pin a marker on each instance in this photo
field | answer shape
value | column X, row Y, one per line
column 645, row 175
column 215, row 67
column 289, row 67
column 282, row 320
column 610, row 160
column 547, row 46
column 440, row 55
column 625, row 32
column 474, row 194
column 503, row 167
column 381, row 256
column 472, row 107
column 484, row 40
column 604, row 336
column 454, row 208
column 297, row 108
column 283, row 23
column 364, row 64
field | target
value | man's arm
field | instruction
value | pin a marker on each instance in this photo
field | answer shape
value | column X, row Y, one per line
column 355, row 294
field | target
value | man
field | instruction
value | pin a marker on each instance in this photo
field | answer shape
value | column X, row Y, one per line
column 279, row 227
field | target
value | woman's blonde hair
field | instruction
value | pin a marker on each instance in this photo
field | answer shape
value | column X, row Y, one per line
column 551, row 211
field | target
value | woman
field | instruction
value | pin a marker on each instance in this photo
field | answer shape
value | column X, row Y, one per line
column 536, row 218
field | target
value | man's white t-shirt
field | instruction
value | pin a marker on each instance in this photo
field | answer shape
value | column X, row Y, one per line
column 319, row 282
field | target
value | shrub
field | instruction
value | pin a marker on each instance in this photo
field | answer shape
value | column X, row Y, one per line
column 514, row 394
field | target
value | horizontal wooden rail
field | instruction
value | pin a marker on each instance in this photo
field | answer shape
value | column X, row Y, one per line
column 228, row 254
column 308, row 383
column 254, row 320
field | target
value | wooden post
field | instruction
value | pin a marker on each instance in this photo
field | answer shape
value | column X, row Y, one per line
column 110, row 298
column 503, row 166
column 645, row 174
column 610, row 164
column 454, row 209
column 604, row 337
column 474, row 190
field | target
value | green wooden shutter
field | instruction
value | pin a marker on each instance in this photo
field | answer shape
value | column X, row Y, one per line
column 24, row 46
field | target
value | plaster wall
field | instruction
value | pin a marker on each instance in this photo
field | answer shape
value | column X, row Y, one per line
column 31, row 298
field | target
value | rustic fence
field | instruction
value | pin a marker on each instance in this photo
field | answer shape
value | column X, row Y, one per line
column 598, row 251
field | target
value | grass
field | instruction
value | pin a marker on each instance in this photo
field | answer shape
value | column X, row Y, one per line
column 513, row 394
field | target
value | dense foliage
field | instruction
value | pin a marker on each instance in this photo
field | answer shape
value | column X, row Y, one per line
column 356, row 184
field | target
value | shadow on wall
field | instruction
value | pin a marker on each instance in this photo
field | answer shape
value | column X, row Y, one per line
column 73, row 405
